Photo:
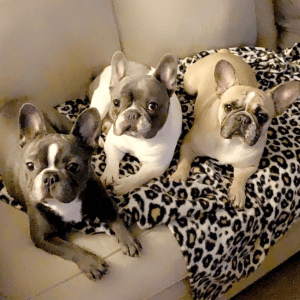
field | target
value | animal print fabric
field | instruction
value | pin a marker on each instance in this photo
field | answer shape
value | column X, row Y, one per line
column 220, row 244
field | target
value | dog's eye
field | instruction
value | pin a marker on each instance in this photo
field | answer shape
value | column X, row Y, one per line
column 30, row 166
column 152, row 106
column 262, row 117
column 228, row 107
column 116, row 103
column 73, row 167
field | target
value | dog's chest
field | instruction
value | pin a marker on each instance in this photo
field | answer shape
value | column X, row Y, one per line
column 69, row 212
column 159, row 149
column 237, row 153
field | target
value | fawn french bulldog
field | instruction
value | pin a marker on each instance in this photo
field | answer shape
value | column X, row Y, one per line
column 48, row 168
column 143, row 117
column 232, row 117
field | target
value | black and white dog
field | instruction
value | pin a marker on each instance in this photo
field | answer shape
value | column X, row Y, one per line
column 49, row 169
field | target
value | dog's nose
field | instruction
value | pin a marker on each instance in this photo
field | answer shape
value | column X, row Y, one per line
column 50, row 177
column 132, row 115
column 243, row 119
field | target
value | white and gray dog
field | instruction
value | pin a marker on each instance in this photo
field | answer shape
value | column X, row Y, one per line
column 142, row 115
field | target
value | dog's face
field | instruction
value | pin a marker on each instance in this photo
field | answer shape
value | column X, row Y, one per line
column 57, row 166
column 244, row 111
column 140, row 104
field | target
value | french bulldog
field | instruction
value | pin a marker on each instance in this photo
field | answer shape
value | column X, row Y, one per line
column 232, row 117
column 143, row 115
column 48, row 167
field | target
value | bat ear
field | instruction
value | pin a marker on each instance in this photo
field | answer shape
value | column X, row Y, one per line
column 284, row 95
column 87, row 127
column 31, row 123
column 118, row 68
column 225, row 76
column 166, row 72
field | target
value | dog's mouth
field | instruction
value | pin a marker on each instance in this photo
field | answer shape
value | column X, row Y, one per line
column 133, row 125
column 52, row 201
column 243, row 125
column 53, row 196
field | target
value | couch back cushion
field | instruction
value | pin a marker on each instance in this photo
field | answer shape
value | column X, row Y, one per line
column 149, row 29
column 50, row 48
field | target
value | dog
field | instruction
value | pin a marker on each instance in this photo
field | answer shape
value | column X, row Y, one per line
column 232, row 117
column 142, row 115
column 48, row 167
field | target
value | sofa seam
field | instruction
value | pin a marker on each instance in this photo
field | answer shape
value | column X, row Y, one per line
column 117, row 25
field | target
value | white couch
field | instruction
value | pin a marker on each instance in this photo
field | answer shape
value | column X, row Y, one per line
column 49, row 51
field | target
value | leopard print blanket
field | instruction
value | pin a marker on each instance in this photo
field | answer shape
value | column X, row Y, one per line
column 220, row 244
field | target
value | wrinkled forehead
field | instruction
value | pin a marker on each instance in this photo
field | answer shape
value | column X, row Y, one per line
column 57, row 145
column 139, row 87
column 249, row 98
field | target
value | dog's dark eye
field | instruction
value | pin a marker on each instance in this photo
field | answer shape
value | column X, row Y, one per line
column 152, row 106
column 116, row 103
column 73, row 167
column 30, row 166
column 228, row 107
column 262, row 117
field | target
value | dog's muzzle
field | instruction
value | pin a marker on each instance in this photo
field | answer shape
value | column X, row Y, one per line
column 241, row 124
column 132, row 122
column 50, row 178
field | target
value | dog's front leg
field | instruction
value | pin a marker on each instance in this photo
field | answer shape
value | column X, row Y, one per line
column 236, row 192
column 129, row 245
column 113, row 158
column 187, row 156
column 146, row 173
column 97, row 203
column 45, row 237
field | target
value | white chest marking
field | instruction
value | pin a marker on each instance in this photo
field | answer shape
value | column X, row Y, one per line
column 52, row 152
column 68, row 211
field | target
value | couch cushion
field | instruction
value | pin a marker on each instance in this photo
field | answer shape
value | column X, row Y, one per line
column 49, row 48
column 149, row 29
column 28, row 272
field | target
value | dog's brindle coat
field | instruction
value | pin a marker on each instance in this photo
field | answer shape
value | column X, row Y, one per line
column 49, row 169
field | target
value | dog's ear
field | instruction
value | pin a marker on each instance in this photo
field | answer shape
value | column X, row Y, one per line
column 87, row 127
column 118, row 68
column 284, row 95
column 225, row 76
column 31, row 123
column 166, row 72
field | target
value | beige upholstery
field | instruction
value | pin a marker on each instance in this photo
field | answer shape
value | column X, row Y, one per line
column 149, row 29
column 266, row 29
column 288, row 20
column 50, row 48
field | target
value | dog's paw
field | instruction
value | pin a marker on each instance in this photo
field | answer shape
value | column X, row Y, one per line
column 131, row 247
column 124, row 185
column 179, row 176
column 237, row 196
column 109, row 178
column 92, row 266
